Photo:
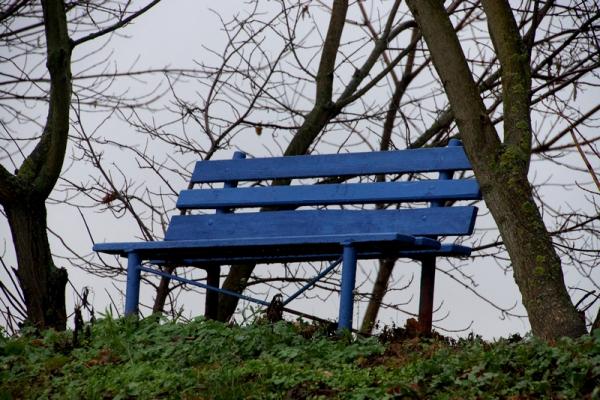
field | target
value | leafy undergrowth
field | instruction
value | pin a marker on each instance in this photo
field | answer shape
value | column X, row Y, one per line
column 151, row 359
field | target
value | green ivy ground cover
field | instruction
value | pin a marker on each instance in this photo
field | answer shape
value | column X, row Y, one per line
column 125, row 359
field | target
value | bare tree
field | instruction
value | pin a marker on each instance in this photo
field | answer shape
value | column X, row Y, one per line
column 502, row 166
column 28, row 27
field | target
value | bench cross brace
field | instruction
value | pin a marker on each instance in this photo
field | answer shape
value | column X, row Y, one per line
column 314, row 280
column 134, row 269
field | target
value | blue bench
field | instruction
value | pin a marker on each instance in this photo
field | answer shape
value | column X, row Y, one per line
column 349, row 218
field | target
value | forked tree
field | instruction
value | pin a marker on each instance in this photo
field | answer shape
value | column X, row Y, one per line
column 26, row 27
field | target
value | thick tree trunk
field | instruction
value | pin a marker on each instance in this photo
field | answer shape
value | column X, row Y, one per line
column 23, row 195
column 501, row 168
column 537, row 268
column 43, row 284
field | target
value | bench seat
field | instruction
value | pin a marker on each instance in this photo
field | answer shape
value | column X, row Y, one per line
column 265, row 249
column 301, row 235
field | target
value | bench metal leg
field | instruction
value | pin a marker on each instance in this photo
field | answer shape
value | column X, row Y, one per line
column 132, row 293
column 428, row 267
column 426, row 296
column 211, row 305
column 347, row 292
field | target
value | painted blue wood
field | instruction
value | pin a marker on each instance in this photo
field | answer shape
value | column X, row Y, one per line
column 268, row 250
column 227, row 185
column 356, row 193
column 351, row 164
column 158, row 247
column 307, row 235
column 347, row 287
column 304, row 223
column 375, row 249
column 446, row 176
column 132, row 292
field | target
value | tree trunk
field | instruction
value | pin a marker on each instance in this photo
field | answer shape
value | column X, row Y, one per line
column 537, row 267
column 501, row 168
column 43, row 284
column 236, row 281
column 23, row 194
column 386, row 266
column 162, row 292
column 239, row 275
column 323, row 111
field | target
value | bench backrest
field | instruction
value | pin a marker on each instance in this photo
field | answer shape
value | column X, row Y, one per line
column 420, row 221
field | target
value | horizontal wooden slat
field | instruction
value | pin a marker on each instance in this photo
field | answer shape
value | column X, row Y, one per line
column 357, row 193
column 366, row 253
column 351, row 164
column 267, row 247
column 209, row 252
column 415, row 222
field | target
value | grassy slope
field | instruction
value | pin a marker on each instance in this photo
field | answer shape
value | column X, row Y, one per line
column 206, row 360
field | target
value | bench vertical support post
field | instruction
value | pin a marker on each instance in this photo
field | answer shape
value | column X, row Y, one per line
column 132, row 293
column 347, row 290
column 426, row 294
column 213, row 273
column 211, row 305
column 428, row 267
